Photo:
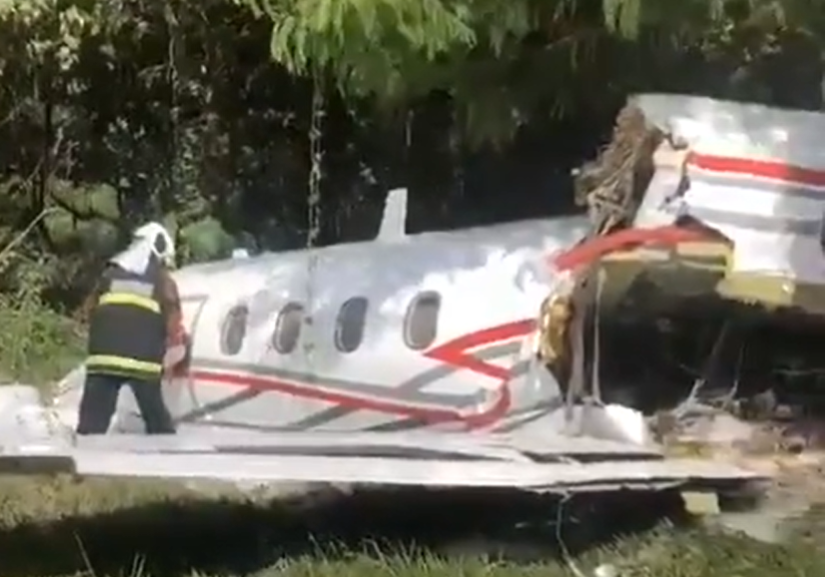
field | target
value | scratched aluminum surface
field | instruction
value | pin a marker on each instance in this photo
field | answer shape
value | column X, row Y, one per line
column 755, row 174
column 34, row 441
column 379, row 470
column 510, row 447
column 475, row 373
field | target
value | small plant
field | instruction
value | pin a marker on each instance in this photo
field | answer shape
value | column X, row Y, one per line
column 37, row 345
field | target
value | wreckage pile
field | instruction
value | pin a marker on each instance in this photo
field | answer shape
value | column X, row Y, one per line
column 672, row 318
column 613, row 185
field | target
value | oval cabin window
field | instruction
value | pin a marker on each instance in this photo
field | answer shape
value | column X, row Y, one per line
column 233, row 331
column 288, row 328
column 349, row 327
column 421, row 321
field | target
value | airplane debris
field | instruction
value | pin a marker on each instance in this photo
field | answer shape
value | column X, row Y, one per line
column 698, row 503
column 705, row 216
column 394, row 221
column 606, row 570
column 553, row 463
column 691, row 286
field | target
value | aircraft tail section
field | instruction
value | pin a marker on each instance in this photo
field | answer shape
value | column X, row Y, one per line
column 394, row 222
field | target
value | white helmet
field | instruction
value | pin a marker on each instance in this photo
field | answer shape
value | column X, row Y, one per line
column 163, row 246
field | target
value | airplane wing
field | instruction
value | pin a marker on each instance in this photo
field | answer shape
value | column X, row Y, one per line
column 33, row 442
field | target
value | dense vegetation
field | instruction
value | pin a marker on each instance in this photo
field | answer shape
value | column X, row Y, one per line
column 275, row 124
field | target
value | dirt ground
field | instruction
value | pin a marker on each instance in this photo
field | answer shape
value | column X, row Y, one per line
column 790, row 452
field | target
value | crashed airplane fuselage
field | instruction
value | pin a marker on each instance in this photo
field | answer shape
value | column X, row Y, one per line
column 396, row 334
column 440, row 342
column 740, row 303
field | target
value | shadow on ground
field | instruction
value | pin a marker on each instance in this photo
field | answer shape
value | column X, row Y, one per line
column 170, row 539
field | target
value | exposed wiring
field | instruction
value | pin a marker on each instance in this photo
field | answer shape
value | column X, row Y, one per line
column 587, row 253
column 591, row 251
column 696, row 372
column 596, row 392
column 685, row 406
column 731, row 396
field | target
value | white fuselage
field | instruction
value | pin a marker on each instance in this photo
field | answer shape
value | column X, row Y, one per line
column 424, row 330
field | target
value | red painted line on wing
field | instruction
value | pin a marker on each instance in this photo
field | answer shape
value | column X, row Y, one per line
column 453, row 353
column 759, row 168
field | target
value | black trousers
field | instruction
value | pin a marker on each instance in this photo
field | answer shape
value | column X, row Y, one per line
column 99, row 402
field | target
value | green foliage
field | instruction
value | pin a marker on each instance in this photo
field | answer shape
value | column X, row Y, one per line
column 206, row 240
column 114, row 121
column 37, row 345
column 505, row 63
column 387, row 47
column 87, row 202
column 399, row 50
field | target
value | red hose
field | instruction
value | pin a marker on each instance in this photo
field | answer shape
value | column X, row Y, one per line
column 624, row 239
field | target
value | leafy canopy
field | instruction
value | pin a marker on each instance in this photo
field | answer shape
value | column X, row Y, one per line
column 388, row 47
column 476, row 50
column 398, row 49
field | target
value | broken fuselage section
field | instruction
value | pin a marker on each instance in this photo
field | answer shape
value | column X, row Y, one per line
column 704, row 272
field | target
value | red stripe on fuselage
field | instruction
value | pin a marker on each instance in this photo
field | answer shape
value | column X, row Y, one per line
column 759, row 168
column 308, row 391
column 453, row 353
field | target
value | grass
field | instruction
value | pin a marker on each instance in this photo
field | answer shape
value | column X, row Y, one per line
column 59, row 526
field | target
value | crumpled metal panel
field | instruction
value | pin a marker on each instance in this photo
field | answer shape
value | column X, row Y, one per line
column 400, row 471
column 754, row 173
column 34, row 443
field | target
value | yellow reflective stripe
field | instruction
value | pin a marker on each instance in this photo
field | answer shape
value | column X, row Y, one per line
column 130, row 299
column 123, row 363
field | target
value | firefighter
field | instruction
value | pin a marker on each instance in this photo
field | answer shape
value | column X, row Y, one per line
column 134, row 315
